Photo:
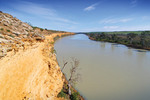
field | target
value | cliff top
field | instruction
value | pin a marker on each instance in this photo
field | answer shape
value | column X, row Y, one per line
column 15, row 34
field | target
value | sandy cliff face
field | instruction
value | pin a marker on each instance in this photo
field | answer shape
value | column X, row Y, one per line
column 28, row 65
column 31, row 74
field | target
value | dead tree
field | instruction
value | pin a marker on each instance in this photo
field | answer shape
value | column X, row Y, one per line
column 64, row 64
column 74, row 74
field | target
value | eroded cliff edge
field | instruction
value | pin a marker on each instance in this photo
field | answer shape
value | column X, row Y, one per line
column 28, row 65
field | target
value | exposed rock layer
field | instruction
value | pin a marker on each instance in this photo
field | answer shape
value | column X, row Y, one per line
column 28, row 65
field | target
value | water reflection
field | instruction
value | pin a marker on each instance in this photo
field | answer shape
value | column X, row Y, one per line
column 103, row 45
column 141, row 58
column 141, row 50
column 112, row 47
column 129, row 52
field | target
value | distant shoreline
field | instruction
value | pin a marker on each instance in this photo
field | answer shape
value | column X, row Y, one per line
column 128, row 45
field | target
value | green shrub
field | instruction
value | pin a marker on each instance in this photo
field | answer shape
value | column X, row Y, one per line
column 27, row 30
column 8, row 30
column 34, row 27
column 51, row 42
column 16, row 34
column 11, row 36
column 53, row 50
column 2, row 29
column 64, row 35
column 41, row 29
column 57, row 37
column 61, row 94
column 74, row 96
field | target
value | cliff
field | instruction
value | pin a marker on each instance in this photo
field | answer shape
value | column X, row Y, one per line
column 28, row 65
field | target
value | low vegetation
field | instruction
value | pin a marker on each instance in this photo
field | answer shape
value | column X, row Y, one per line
column 8, row 30
column 57, row 37
column 74, row 96
column 53, row 50
column 1, row 37
column 11, row 35
column 65, row 93
column 41, row 29
column 62, row 94
column 2, row 29
column 68, row 92
column 119, row 32
column 133, row 39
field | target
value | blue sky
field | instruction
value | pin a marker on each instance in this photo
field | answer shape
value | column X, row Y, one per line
column 82, row 15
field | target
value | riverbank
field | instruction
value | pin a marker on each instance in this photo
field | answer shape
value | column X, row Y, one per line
column 132, row 40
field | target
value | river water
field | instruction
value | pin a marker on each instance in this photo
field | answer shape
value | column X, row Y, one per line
column 108, row 71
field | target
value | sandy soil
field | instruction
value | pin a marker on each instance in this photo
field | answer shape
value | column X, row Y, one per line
column 31, row 74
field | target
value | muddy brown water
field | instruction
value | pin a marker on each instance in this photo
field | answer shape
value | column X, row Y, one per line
column 108, row 71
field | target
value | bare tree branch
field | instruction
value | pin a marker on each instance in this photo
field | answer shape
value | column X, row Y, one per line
column 74, row 75
column 64, row 64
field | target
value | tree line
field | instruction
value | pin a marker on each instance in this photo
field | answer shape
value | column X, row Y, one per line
column 132, row 39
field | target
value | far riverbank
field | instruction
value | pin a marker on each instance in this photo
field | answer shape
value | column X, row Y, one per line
column 138, row 41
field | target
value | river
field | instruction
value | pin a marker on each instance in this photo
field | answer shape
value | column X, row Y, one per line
column 108, row 71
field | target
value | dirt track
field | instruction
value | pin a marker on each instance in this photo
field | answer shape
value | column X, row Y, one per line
column 30, row 73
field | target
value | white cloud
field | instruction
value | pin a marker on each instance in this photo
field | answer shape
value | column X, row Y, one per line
column 117, row 28
column 125, row 20
column 91, row 7
column 145, row 17
column 136, row 28
column 111, row 27
column 40, row 10
column 134, row 3
column 105, row 28
column 92, row 29
column 35, row 9
column 112, row 21
column 60, row 19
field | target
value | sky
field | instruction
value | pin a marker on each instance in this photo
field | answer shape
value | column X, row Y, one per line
column 81, row 15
